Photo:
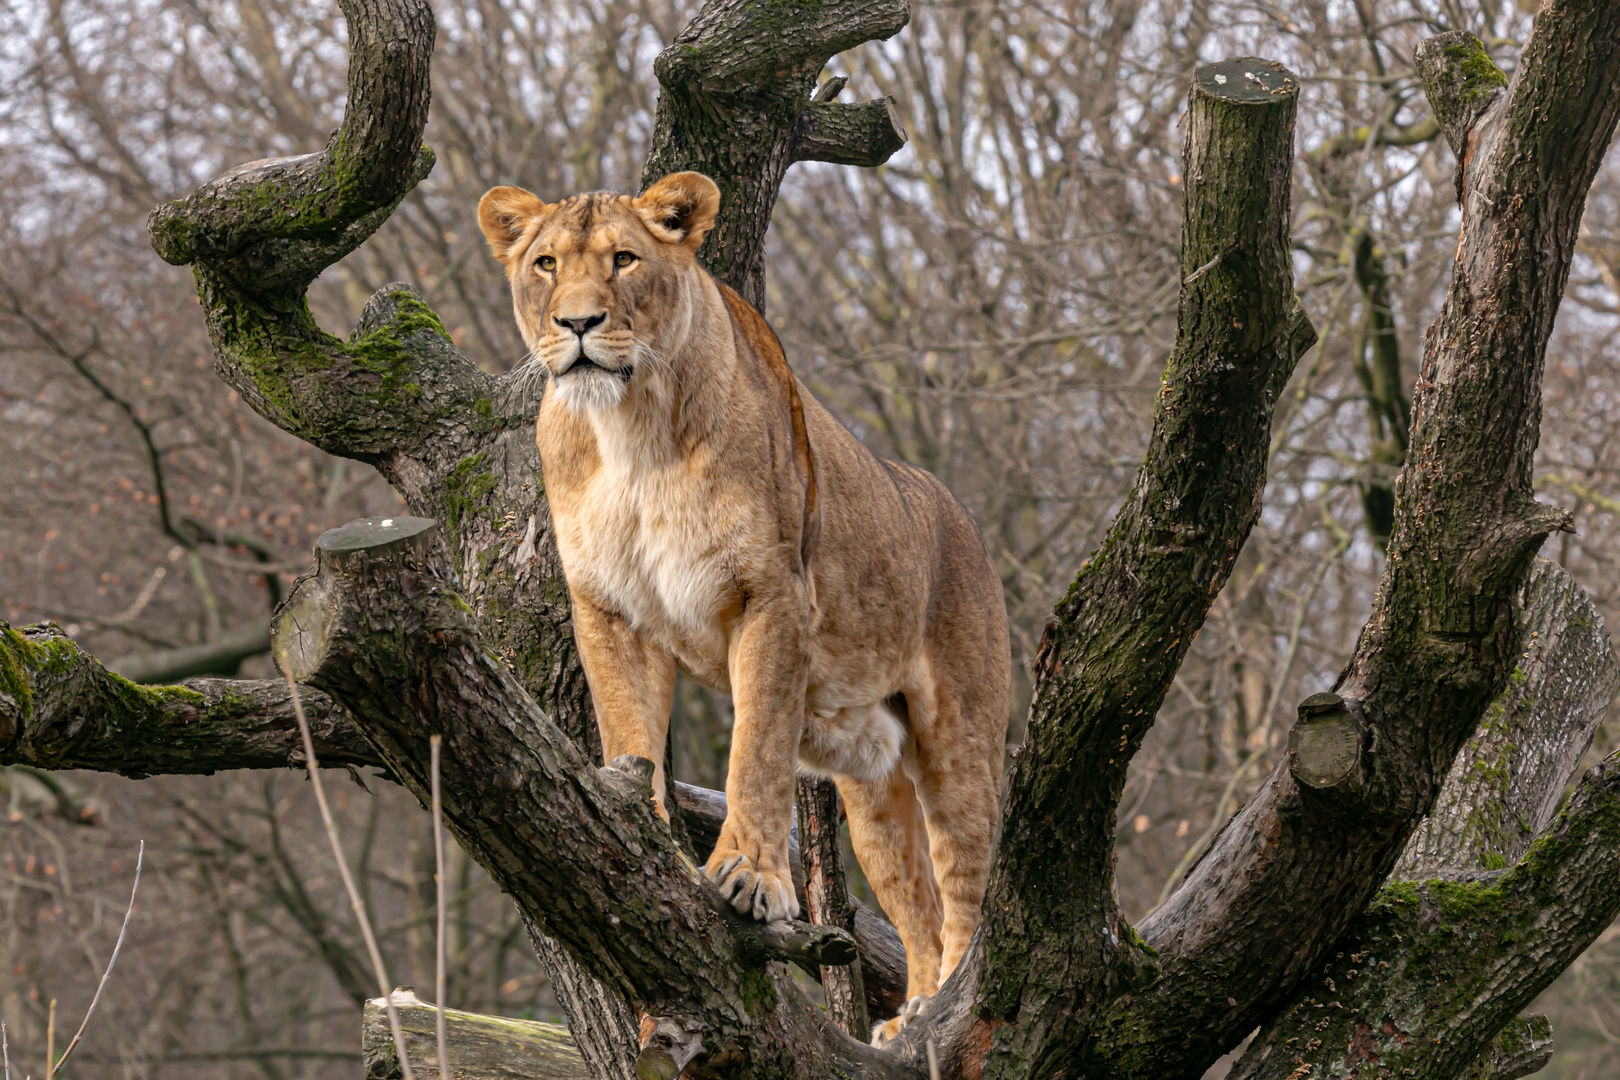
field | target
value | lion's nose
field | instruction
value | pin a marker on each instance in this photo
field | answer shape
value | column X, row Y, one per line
column 580, row 326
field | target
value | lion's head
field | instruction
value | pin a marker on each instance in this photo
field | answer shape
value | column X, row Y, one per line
column 602, row 284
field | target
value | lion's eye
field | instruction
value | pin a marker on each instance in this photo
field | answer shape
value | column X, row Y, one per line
column 547, row 263
column 624, row 258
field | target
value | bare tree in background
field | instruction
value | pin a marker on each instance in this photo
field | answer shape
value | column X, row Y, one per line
column 948, row 353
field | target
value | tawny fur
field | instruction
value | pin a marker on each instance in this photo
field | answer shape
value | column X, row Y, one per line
column 712, row 516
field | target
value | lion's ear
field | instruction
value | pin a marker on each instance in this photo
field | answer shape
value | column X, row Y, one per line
column 680, row 208
column 504, row 213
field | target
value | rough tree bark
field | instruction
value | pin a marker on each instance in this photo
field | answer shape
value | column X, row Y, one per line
column 1456, row 938
column 381, row 628
column 827, row 900
column 462, row 630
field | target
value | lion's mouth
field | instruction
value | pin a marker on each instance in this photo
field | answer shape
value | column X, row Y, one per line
column 583, row 363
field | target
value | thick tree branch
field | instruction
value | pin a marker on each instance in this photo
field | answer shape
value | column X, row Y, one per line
column 1297, row 864
column 272, row 226
column 1434, row 970
column 455, row 442
column 865, row 135
column 1054, row 943
column 1502, row 791
column 481, row 1047
column 380, row 627
column 60, row 709
column 736, row 92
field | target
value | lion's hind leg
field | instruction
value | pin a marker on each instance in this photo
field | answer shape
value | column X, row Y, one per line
column 958, row 778
column 890, row 838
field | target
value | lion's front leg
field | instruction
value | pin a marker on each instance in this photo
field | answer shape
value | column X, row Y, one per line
column 769, row 661
column 632, row 683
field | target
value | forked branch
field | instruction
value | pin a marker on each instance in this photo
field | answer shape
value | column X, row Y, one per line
column 1300, row 861
column 1442, row 959
column 736, row 105
column 1055, row 946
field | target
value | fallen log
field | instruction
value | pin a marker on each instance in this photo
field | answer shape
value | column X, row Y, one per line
column 480, row 1047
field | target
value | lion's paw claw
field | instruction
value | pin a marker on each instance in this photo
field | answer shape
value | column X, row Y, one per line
column 766, row 895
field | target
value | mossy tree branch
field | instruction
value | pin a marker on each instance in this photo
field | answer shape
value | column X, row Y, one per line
column 1404, row 980
column 1434, row 971
column 1461, row 82
column 1303, row 861
column 1054, row 944
column 60, row 709
column 398, row 394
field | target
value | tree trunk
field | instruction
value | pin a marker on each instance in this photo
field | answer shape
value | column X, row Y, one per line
column 1055, row 946
column 463, row 629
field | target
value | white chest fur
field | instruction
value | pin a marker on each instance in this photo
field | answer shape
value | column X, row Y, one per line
column 646, row 542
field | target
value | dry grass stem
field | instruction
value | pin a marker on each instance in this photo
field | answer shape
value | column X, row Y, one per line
column 436, row 746
column 355, row 902
column 51, row 1064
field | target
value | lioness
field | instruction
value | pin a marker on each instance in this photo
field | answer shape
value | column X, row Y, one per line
column 712, row 515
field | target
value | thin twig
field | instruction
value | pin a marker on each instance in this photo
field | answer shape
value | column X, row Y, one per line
column 5, row 1051
column 50, row 1042
column 140, row 855
column 357, row 904
column 435, row 744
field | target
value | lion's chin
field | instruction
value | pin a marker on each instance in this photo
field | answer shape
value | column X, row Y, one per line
column 586, row 387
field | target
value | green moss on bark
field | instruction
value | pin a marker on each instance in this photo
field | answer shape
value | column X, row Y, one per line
column 1481, row 76
column 466, row 490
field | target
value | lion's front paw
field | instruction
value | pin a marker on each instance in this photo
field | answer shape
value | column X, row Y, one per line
column 767, row 895
column 883, row 1034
